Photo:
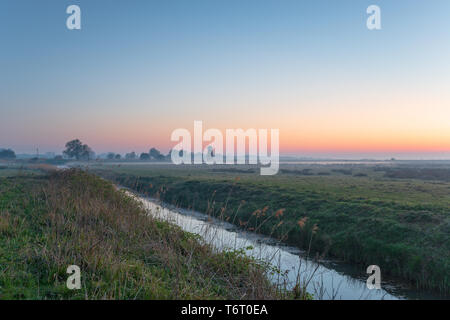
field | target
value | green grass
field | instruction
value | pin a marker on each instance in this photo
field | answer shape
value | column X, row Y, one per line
column 401, row 225
column 48, row 222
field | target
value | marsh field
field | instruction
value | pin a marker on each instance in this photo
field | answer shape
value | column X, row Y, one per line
column 395, row 214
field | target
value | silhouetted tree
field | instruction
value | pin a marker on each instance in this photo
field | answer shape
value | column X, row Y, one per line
column 111, row 156
column 87, row 153
column 155, row 154
column 130, row 156
column 144, row 156
column 169, row 155
column 7, row 154
column 76, row 149
column 117, row 157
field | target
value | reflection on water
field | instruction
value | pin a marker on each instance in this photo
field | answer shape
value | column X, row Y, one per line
column 323, row 282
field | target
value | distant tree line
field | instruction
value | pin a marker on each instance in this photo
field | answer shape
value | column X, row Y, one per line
column 153, row 154
column 7, row 154
column 75, row 149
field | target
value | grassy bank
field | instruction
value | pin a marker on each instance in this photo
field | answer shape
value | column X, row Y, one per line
column 51, row 221
column 402, row 226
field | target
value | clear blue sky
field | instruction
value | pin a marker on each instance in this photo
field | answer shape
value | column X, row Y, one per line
column 139, row 69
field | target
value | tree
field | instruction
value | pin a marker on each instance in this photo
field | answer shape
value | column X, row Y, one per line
column 111, row 156
column 87, row 153
column 76, row 149
column 144, row 156
column 7, row 154
column 117, row 157
column 155, row 154
column 130, row 156
column 168, row 157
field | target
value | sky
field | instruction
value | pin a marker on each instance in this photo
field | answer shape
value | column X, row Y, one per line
column 138, row 70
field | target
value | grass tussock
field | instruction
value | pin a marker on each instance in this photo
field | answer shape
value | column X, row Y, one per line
column 73, row 218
